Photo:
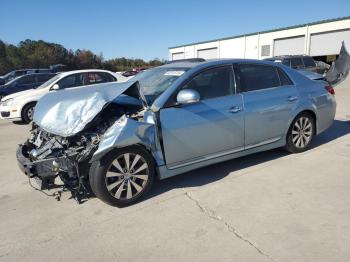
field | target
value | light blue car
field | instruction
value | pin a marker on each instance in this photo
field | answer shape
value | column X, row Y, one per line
column 116, row 138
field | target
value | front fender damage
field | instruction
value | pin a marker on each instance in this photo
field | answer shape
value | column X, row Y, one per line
column 127, row 132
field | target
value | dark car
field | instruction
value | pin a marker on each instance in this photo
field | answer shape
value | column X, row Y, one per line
column 24, row 82
column 299, row 62
column 16, row 73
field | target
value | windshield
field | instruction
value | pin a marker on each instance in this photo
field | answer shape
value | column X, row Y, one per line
column 154, row 82
column 49, row 82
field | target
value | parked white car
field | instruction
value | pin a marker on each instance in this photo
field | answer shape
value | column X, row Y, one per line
column 20, row 106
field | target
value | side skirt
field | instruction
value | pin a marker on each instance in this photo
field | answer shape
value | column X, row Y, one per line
column 165, row 172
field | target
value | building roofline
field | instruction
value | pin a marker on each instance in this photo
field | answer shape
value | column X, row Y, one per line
column 266, row 31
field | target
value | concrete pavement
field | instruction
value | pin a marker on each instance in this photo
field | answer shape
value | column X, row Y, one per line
column 270, row 206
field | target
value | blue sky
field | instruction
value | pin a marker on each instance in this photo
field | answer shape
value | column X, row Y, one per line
column 145, row 29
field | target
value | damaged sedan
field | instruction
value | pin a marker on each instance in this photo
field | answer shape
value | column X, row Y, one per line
column 114, row 139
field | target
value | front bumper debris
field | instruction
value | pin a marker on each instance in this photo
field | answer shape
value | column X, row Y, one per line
column 32, row 169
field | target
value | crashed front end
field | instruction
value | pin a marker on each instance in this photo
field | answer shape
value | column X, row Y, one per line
column 69, row 127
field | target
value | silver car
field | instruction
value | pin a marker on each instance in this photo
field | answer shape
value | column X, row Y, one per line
column 116, row 138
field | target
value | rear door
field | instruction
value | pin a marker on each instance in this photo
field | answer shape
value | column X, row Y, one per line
column 269, row 97
column 208, row 128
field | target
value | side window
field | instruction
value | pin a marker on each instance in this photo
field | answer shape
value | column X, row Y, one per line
column 71, row 81
column 107, row 77
column 286, row 62
column 309, row 61
column 285, row 80
column 213, row 83
column 256, row 77
column 296, row 63
column 43, row 78
column 98, row 77
column 27, row 80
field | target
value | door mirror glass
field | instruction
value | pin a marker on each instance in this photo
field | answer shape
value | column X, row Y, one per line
column 55, row 87
column 187, row 96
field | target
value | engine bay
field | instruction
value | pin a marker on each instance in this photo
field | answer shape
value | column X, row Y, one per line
column 67, row 158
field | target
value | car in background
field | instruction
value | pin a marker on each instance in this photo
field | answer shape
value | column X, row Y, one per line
column 23, row 83
column 16, row 73
column 20, row 106
column 189, row 115
column 299, row 62
column 130, row 73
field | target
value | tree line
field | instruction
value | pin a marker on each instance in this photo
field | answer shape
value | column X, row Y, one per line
column 41, row 54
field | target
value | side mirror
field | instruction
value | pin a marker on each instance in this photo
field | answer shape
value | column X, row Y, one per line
column 55, row 87
column 2, row 81
column 187, row 96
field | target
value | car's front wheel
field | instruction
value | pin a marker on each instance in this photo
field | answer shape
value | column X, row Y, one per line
column 301, row 133
column 28, row 113
column 123, row 176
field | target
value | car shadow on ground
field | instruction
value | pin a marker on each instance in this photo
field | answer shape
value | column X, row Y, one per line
column 216, row 172
column 19, row 122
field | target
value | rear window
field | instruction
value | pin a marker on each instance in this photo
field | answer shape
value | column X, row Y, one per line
column 309, row 62
column 286, row 62
column 297, row 63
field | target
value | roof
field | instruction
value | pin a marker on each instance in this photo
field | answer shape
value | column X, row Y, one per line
column 83, row 71
column 267, row 31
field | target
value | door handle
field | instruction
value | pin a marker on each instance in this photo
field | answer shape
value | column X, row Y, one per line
column 292, row 98
column 235, row 109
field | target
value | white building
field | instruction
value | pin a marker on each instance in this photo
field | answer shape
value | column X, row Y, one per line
column 321, row 40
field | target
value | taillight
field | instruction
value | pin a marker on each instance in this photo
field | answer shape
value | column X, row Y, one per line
column 330, row 89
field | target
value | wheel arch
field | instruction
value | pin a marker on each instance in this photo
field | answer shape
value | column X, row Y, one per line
column 309, row 111
column 100, row 157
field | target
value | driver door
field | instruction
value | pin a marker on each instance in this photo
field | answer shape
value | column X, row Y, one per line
column 207, row 128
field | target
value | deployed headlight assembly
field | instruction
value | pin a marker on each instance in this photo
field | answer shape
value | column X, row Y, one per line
column 8, row 102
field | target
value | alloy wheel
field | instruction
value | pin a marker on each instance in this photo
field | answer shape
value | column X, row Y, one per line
column 127, row 176
column 302, row 132
column 30, row 113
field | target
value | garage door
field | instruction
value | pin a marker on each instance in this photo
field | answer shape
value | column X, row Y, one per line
column 177, row 56
column 329, row 43
column 289, row 46
column 209, row 53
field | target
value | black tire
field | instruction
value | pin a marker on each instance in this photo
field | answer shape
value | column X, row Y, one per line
column 2, row 95
column 300, row 139
column 103, row 186
column 28, row 112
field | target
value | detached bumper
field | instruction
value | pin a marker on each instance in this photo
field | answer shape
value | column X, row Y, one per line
column 40, row 170
column 25, row 164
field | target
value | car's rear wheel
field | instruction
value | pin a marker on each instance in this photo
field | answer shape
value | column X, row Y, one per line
column 123, row 176
column 301, row 133
column 28, row 113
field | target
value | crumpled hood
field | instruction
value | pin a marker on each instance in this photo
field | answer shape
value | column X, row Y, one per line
column 67, row 112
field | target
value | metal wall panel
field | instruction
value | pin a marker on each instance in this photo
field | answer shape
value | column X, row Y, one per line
column 289, row 46
column 329, row 43
column 177, row 56
column 209, row 53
